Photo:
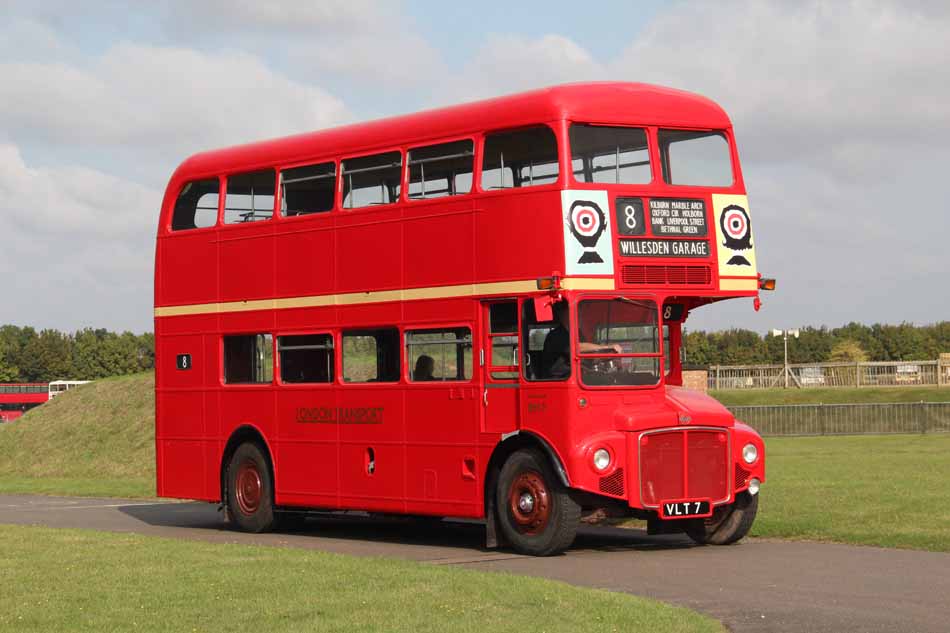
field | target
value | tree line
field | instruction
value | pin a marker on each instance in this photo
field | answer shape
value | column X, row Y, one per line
column 30, row 356
column 851, row 343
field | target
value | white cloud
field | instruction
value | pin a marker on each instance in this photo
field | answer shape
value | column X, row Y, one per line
column 158, row 97
column 78, row 246
column 511, row 63
column 358, row 40
column 802, row 78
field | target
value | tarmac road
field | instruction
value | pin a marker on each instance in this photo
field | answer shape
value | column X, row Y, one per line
column 758, row 585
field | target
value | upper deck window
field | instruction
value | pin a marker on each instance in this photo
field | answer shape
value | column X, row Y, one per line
column 604, row 154
column 250, row 197
column 371, row 180
column 695, row 158
column 522, row 158
column 441, row 170
column 197, row 205
column 308, row 189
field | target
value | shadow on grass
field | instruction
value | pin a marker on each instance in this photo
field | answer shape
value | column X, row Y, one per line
column 396, row 530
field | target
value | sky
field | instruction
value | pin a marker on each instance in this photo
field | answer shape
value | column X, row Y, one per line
column 840, row 111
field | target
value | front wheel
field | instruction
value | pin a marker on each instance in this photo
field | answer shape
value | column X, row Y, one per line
column 250, row 490
column 728, row 524
column 536, row 513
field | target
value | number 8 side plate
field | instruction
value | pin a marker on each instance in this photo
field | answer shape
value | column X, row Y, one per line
column 686, row 509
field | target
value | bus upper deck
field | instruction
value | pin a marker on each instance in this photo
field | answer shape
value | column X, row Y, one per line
column 606, row 186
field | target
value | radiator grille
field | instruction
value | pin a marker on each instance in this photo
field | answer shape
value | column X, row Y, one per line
column 641, row 275
column 685, row 464
column 742, row 476
column 613, row 483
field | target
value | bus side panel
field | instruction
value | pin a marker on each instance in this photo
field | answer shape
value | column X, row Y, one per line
column 441, row 449
column 369, row 255
column 440, row 249
column 307, row 472
column 305, row 260
column 188, row 268
column 519, row 236
column 180, row 425
column 246, row 255
column 372, row 447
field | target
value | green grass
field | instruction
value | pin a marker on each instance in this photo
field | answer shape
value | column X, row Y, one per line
column 73, row 580
column 94, row 440
column 827, row 395
column 890, row 491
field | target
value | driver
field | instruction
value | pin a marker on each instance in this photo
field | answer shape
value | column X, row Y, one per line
column 556, row 354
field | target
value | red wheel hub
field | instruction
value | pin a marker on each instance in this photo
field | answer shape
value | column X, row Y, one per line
column 529, row 503
column 248, row 487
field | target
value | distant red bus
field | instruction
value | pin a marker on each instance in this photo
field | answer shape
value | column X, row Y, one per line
column 470, row 312
column 18, row 398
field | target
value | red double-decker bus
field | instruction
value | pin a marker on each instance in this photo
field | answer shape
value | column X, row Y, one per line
column 474, row 311
column 18, row 398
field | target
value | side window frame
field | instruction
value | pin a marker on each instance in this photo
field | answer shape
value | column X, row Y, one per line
column 275, row 209
column 268, row 339
column 407, row 167
column 341, row 179
column 459, row 343
column 279, row 365
column 559, row 143
column 169, row 227
column 336, row 162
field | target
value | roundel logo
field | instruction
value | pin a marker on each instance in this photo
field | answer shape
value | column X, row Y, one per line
column 737, row 231
column 587, row 223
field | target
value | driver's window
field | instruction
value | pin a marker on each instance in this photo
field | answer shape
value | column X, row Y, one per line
column 547, row 346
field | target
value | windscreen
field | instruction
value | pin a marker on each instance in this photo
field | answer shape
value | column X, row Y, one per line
column 619, row 342
column 698, row 158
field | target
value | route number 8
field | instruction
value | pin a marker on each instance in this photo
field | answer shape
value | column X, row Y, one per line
column 667, row 312
column 631, row 217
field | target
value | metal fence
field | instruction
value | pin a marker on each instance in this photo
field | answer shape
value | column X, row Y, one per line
column 881, row 374
column 846, row 419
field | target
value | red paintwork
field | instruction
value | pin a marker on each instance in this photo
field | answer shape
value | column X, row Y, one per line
column 433, row 448
column 35, row 398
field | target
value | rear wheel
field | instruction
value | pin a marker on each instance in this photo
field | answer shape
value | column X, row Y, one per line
column 536, row 514
column 728, row 524
column 250, row 489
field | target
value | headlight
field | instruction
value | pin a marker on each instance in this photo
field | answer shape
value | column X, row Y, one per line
column 754, row 486
column 601, row 459
column 750, row 453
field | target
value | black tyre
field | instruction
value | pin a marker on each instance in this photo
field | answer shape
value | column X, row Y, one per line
column 728, row 524
column 250, row 490
column 535, row 512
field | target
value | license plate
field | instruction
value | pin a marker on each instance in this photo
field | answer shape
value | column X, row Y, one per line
column 685, row 509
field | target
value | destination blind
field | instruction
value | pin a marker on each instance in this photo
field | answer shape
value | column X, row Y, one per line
column 664, row 248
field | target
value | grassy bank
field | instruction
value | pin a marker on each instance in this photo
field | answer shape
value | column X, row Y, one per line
column 838, row 395
column 71, row 580
column 875, row 490
column 96, row 439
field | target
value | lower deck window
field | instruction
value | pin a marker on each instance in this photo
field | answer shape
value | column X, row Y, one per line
column 371, row 355
column 440, row 354
column 248, row 358
column 307, row 358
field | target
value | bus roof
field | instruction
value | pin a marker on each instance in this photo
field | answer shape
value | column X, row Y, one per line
column 599, row 102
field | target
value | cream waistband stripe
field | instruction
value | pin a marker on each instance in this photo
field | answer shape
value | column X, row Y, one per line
column 380, row 296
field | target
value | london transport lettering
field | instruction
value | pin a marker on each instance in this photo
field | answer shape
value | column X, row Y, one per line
column 340, row 415
column 664, row 248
